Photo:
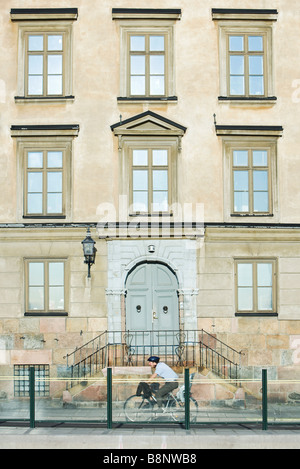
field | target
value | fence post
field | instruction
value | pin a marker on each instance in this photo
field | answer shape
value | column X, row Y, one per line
column 109, row 397
column 187, row 397
column 32, row 397
column 264, row 400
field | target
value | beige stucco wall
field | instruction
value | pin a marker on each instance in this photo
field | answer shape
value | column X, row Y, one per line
column 96, row 86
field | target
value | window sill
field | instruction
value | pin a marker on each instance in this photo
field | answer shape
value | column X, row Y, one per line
column 164, row 99
column 46, row 314
column 269, row 100
column 44, row 217
column 256, row 314
column 254, row 215
column 158, row 214
column 44, row 99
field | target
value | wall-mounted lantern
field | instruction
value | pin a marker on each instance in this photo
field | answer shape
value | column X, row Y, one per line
column 89, row 251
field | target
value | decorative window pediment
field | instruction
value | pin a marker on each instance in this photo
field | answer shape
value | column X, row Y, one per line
column 148, row 123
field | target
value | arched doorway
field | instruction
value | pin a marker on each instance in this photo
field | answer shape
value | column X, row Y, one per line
column 152, row 311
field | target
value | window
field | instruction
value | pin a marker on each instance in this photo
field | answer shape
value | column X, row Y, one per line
column 251, row 183
column 150, row 180
column 246, row 65
column 44, row 182
column 44, row 170
column 245, row 52
column 21, row 381
column 256, row 286
column 44, row 56
column 147, row 53
column 147, row 67
column 250, row 171
column 45, row 286
column 149, row 145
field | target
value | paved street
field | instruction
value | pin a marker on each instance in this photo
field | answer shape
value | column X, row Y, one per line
column 149, row 438
column 85, row 427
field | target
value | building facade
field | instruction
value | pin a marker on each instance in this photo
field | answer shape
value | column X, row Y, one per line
column 171, row 133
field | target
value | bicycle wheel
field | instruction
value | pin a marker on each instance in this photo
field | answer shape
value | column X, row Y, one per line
column 138, row 409
column 177, row 412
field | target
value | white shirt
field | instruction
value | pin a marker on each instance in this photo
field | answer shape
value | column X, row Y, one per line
column 165, row 372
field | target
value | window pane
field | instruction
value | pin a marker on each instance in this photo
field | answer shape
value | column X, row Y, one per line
column 140, row 157
column 36, row 273
column 260, row 202
column 35, row 85
column 137, row 65
column 137, row 85
column 35, row 159
column 54, row 159
column 256, row 85
column 245, row 275
column 245, row 299
column 160, row 201
column 157, row 85
column 54, row 64
column 35, row 64
column 264, row 275
column 35, row 43
column 260, row 158
column 137, row 43
column 256, row 66
column 35, row 182
column 54, row 181
column 236, row 65
column 240, row 180
column 56, row 298
column 34, row 203
column 264, row 299
column 160, row 180
column 54, row 203
column 240, row 157
column 160, row 157
column 140, row 180
column 236, row 43
column 54, row 84
column 157, row 43
column 157, row 65
column 260, row 180
column 36, row 298
column 56, row 273
column 55, row 42
column 255, row 43
column 241, row 202
column 237, row 86
column 140, row 201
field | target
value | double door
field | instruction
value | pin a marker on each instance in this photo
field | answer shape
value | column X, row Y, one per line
column 152, row 307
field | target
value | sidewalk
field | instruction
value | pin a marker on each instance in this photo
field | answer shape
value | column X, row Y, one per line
column 149, row 438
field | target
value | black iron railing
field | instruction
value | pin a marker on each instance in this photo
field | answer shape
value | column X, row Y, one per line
column 132, row 348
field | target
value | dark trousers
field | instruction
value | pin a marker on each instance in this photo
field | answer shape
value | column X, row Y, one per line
column 165, row 389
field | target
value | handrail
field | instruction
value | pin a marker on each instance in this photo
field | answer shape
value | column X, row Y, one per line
column 176, row 347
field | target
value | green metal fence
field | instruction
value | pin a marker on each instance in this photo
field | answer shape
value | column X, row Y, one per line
column 112, row 400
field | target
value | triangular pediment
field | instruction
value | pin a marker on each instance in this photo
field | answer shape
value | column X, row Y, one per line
column 148, row 123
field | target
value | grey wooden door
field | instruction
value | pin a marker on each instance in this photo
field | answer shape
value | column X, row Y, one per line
column 152, row 306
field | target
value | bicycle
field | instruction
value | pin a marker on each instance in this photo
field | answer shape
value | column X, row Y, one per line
column 142, row 409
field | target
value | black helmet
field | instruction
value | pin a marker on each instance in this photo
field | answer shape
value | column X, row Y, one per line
column 153, row 359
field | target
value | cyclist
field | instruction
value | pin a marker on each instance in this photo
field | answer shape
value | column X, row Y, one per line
column 163, row 371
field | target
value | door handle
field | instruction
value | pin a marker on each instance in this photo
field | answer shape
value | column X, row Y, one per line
column 154, row 315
